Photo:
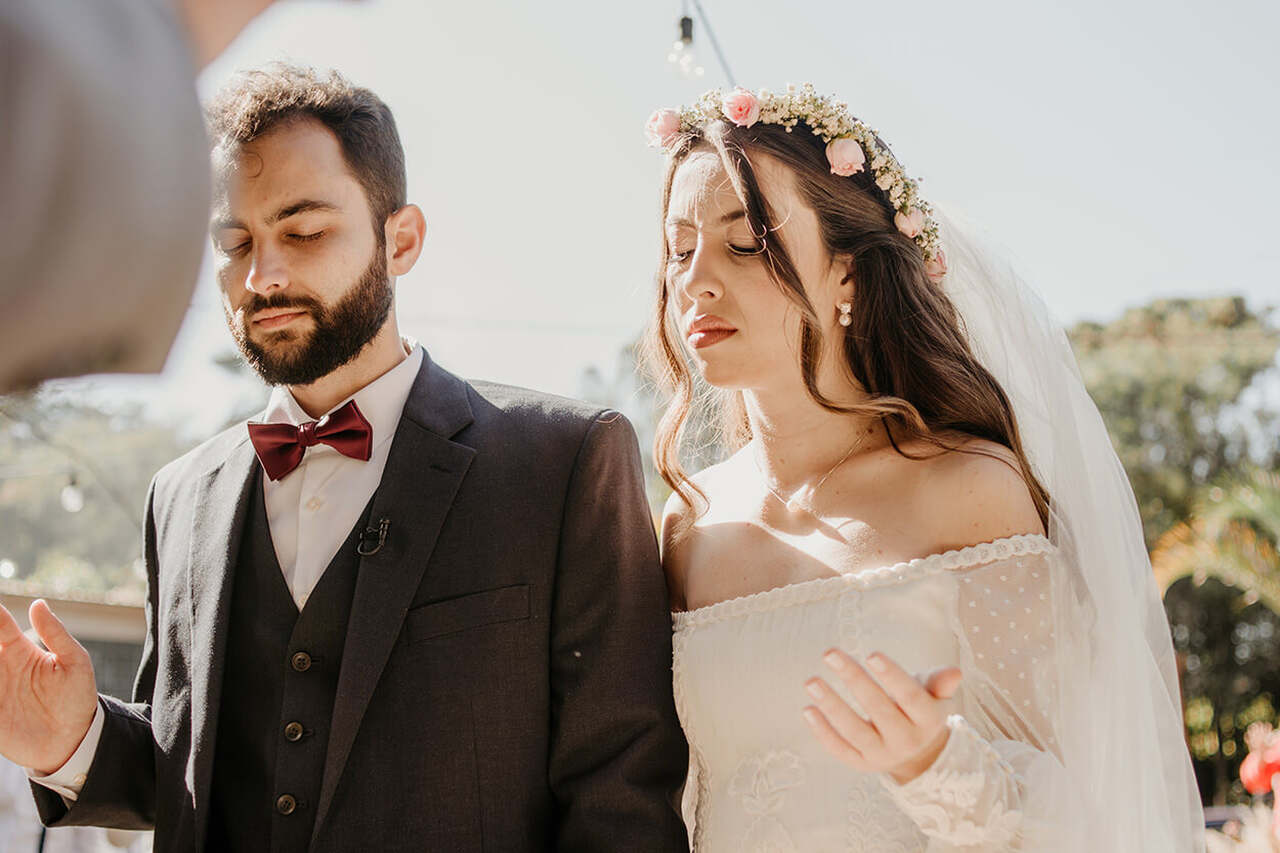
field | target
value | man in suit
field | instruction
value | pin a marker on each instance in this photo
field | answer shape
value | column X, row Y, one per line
column 401, row 611
column 103, row 153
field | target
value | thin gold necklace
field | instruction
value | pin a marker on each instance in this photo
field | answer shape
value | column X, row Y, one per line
column 794, row 504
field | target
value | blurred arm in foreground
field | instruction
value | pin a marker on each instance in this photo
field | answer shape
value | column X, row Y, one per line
column 104, row 179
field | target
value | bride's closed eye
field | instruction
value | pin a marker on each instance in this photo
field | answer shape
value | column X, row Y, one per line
column 676, row 257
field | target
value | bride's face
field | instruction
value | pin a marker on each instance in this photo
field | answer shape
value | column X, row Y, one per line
column 741, row 329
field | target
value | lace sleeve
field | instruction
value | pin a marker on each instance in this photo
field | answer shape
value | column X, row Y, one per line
column 1000, row 782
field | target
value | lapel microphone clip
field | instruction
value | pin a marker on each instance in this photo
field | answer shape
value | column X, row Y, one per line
column 367, row 546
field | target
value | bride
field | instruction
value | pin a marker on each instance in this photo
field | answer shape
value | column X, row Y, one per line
column 913, row 607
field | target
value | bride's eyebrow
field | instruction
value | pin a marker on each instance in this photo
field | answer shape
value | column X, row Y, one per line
column 731, row 216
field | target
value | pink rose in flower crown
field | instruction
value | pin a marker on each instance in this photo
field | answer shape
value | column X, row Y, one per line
column 741, row 107
column 936, row 267
column 910, row 223
column 662, row 127
column 845, row 156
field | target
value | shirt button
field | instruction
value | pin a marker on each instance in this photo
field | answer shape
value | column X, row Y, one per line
column 80, row 780
column 286, row 804
column 301, row 661
column 314, row 504
column 293, row 732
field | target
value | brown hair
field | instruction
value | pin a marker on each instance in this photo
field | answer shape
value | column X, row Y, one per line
column 264, row 98
column 905, row 347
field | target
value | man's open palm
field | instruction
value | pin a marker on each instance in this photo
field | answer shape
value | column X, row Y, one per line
column 47, row 698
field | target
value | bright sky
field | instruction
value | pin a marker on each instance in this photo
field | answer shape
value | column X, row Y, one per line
column 1119, row 150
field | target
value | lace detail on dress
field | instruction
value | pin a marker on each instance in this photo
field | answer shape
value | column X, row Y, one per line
column 761, row 783
column 697, row 765
column 818, row 588
column 967, row 797
column 874, row 826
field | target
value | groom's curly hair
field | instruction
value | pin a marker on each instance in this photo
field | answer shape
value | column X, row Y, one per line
column 265, row 98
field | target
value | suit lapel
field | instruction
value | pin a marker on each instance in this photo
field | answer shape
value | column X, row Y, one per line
column 217, row 523
column 423, row 472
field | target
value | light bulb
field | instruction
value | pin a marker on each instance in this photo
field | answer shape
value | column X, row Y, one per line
column 71, row 497
column 681, row 57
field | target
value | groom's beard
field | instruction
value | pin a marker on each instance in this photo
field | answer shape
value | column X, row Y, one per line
column 341, row 330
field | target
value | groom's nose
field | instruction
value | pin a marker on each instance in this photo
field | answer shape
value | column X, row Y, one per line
column 267, row 271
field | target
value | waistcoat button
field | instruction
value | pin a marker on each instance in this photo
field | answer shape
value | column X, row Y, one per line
column 301, row 661
column 286, row 804
column 293, row 732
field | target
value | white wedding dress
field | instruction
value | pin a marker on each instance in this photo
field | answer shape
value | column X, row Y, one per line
column 760, row 781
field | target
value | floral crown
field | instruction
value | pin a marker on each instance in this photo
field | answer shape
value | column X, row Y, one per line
column 850, row 144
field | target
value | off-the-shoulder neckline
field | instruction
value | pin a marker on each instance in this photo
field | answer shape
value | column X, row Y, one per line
column 801, row 591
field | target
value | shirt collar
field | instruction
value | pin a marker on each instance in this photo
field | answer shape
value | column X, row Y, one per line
column 381, row 401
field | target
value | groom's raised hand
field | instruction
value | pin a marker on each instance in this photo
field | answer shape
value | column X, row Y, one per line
column 47, row 698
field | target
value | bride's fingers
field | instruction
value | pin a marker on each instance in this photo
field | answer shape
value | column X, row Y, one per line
column 943, row 683
column 832, row 741
column 906, row 692
column 847, row 722
column 884, row 713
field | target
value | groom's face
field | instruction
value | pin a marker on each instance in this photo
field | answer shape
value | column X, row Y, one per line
column 302, row 270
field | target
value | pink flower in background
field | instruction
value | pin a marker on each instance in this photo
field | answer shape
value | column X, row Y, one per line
column 662, row 127
column 937, row 267
column 910, row 223
column 741, row 107
column 845, row 156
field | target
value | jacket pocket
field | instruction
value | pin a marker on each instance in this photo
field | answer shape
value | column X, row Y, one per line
column 491, row 606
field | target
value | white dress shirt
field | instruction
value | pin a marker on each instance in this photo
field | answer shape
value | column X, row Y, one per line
column 310, row 512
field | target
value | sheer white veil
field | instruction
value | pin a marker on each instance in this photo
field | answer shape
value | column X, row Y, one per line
column 1120, row 720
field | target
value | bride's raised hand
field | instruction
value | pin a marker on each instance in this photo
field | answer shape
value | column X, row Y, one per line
column 906, row 724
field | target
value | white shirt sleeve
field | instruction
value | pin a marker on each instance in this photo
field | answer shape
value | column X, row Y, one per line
column 68, row 779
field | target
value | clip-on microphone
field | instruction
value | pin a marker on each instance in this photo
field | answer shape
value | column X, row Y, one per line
column 363, row 548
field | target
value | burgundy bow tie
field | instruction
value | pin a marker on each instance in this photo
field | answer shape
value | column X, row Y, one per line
column 280, row 446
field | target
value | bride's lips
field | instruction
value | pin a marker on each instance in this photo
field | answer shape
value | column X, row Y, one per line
column 276, row 319
column 708, row 330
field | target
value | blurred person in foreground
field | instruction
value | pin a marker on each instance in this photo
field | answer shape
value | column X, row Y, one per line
column 104, row 179
column 398, row 612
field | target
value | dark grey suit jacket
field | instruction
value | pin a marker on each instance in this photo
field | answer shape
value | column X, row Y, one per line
column 506, row 679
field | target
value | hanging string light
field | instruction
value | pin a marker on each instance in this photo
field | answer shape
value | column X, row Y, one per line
column 71, row 497
column 682, row 57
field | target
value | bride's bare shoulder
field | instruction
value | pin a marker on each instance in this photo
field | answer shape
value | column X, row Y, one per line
column 680, row 518
column 974, row 493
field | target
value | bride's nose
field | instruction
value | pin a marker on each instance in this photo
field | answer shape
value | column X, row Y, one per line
column 701, row 281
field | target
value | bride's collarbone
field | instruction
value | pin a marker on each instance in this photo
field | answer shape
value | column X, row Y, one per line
column 729, row 558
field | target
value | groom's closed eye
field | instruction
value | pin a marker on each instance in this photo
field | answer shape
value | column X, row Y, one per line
column 231, row 244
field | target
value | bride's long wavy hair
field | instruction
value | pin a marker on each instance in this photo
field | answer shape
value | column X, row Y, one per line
column 905, row 347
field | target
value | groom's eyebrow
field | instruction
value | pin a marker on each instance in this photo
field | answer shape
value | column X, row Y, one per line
column 306, row 205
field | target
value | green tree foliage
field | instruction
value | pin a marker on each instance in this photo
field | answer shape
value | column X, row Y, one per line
column 1170, row 379
column 1223, row 578
column 1165, row 376
column 50, row 442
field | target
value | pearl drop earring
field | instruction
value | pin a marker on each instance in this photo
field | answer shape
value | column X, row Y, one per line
column 846, row 313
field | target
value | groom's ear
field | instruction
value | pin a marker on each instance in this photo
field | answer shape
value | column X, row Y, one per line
column 405, row 231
